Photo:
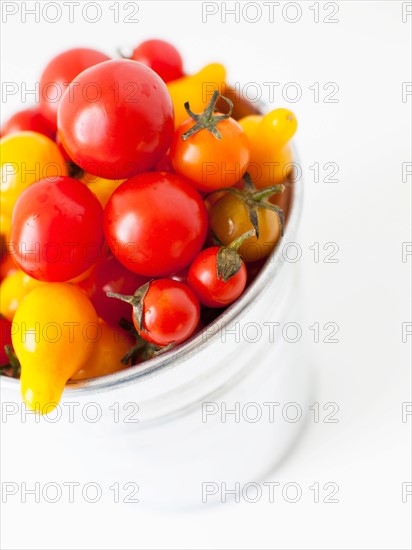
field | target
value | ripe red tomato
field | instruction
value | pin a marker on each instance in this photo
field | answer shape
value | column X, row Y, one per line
column 31, row 120
column 117, row 120
column 164, row 311
column 160, row 56
column 171, row 313
column 111, row 276
column 155, row 223
column 57, row 229
column 59, row 72
column 209, row 288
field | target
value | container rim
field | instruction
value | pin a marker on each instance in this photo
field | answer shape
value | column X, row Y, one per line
column 175, row 357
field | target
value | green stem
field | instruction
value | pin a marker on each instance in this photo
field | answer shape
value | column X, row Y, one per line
column 207, row 120
column 237, row 243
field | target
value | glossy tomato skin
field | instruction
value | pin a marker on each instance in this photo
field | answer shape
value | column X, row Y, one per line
column 171, row 313
column 59, row 72
column 29, row 120
column 229, row 219
column 111, row 276
column 57, row 229
column 211, row 163
column 210, row 290
column 118, row 120
column 160, row 56
column 155, row 224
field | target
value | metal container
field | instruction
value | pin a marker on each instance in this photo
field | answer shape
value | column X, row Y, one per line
column 166, row 426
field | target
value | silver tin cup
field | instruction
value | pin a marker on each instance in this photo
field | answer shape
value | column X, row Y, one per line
column 187, row 427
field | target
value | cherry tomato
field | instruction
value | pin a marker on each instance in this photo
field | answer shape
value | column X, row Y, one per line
column 229, row 219
column 110, row 275
column 56, row 333
column 170, row 311
column 112, row 344
column 25, row 158
column 211, row 290
column 160, row 56
column 13, row 288
column 155, row 223
column 57, row 229
column 5, row 339
column 117, row 120
column 271, row 159
column 29, row 120
column 59, row 72
column 210, row 162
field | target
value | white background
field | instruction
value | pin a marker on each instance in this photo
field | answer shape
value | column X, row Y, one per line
column 367, row 213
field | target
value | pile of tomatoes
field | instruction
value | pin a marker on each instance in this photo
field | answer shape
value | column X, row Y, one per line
column 136, row 203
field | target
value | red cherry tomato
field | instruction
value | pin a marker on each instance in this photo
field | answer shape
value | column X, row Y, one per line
column 31, row 120
column 59, row 72
column 5, row 339
column 209, row 288
column 57, row 229
column 170, row 312
column 118, row 119
column 111, row 276
column 160, row 56
column 155, row 223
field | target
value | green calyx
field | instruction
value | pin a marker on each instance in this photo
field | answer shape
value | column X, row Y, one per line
column 142, row 349
column 255, row 199
column 208, row 120
column 228, row 259
column 136, row 301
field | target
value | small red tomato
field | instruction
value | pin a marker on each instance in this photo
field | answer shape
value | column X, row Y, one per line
column 212, row 290
column 111, row 276
column 160, row 56
column 117, row 119
column 57, row 229
column 5, row 339
column 31, row 120
column 58, row 74
column 164, row 311
column 155, row 224
column 212, row 152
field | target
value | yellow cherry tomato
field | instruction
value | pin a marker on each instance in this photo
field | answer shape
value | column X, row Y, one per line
column 54, row 333
column 25, row 158
column 111, row 346
column 13, row 288
column 197, row 89
column 271, row 155
column 279, row 126
column 101, row 187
